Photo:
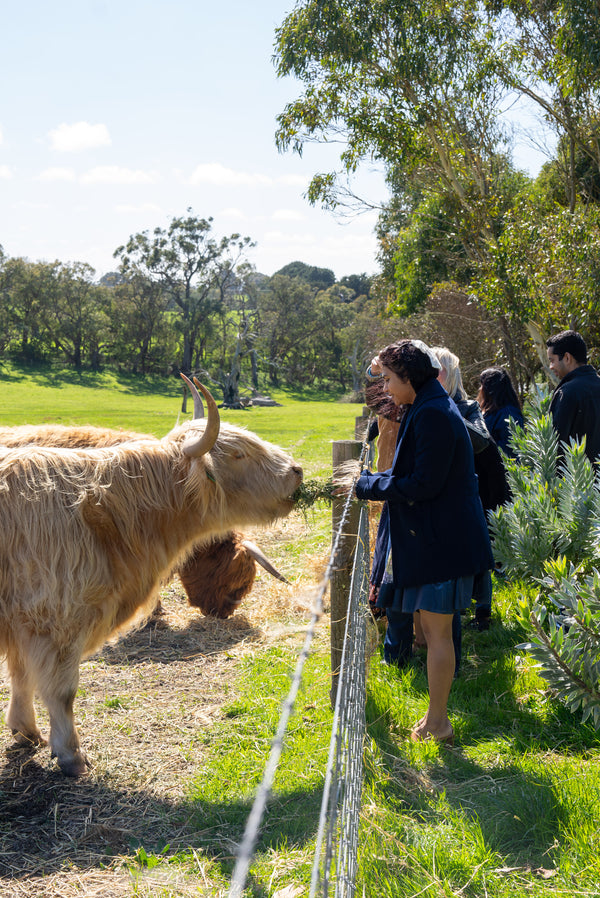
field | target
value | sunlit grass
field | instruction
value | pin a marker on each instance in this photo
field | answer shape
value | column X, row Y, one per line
column 511, row 810
column 153, row 405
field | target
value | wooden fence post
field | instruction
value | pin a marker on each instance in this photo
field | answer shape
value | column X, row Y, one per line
column 361, row 423
column 343, row 450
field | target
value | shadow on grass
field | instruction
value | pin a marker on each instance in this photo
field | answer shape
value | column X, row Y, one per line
column 157, row 641
column 50, row 823
column 505, row 773
column 307, row 394
column 50, row 376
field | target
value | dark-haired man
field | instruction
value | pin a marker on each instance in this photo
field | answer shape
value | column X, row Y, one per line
column 575, row 406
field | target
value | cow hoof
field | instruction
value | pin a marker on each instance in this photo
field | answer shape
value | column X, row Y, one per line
column 78, row 765
column 28, row 738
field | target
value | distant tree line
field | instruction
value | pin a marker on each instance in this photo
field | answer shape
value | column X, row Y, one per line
column 181, row 299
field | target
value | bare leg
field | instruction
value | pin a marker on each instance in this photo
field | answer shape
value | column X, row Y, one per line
column 440, row 673
column 20, row 716
column 420, row 641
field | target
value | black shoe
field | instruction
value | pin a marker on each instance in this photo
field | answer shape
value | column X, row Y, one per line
column 479, row 624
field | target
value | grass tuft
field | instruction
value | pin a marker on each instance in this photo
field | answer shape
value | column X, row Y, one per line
column 311, row 491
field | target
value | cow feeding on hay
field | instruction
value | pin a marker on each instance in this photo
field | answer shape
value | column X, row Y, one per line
column 218, row 574
column 88, row 535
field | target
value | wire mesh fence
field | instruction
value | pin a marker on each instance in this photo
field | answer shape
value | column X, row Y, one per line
column 336, row 851
column 335, row 861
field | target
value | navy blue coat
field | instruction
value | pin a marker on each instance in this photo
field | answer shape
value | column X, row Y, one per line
column 497, row 424
column 437, row 525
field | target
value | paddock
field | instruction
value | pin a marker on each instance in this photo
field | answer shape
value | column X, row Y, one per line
column 146, row 704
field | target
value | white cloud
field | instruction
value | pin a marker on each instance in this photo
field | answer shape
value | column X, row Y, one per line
column 57, row 174
column 279, row 238
column 115, row 174
column 220, row 176
column 287, row 215
column 234, row 213
column 77, row 137
column 5, row 172
column 295, row 180
column 125, row 209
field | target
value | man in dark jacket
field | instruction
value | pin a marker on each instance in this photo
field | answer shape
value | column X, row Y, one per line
column 575, row 406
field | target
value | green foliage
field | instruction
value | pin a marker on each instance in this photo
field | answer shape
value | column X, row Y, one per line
column 184, row 300
column 549, row 535
column 545, row 267
column 422, row 255
column 566, row 621
column 319, row 278
column 191, row 265
column 555, row 507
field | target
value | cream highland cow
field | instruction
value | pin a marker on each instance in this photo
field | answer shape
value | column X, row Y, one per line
column 88, row 535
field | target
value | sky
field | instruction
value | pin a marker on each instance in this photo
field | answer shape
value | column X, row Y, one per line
column 118, row 115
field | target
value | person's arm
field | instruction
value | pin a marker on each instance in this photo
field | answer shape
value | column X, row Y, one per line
column 434, row 448
column 374, row 371
column 563, row 411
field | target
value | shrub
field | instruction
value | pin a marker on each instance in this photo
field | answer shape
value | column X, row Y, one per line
column 549, row 534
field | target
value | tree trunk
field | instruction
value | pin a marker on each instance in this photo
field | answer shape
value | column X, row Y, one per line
column 254, row 363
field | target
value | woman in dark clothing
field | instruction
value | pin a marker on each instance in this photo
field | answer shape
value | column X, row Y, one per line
column 499, row 402
column 489, row 467
column 437, row 531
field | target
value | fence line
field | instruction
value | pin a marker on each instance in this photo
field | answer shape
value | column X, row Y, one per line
column 247, row 846
column 340, row 807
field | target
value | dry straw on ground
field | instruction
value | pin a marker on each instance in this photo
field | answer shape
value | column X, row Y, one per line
column 143, row 706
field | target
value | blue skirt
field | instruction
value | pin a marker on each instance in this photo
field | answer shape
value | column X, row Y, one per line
column 441, row 598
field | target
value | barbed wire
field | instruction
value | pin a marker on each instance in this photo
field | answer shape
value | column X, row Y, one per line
column 253, row 823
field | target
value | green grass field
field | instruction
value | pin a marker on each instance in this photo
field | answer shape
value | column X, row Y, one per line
column 306, row 427
column 511, row 810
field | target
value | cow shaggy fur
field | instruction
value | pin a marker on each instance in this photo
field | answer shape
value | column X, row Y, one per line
column 216, row 576
column 88, row 535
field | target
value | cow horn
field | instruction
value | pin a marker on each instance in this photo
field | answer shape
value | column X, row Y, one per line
column 262, row 559
column 202, row 445
column 198, row 406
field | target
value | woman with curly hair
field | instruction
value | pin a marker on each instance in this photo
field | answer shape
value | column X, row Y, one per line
column 437, row 531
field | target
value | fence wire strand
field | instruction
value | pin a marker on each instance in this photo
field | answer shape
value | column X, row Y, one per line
column 340, row 808
column 330, row 800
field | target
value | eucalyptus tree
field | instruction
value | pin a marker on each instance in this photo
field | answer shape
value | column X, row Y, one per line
column 77, row 316
column 141, row 330
column 186, row 259
column 27, row 291
column 407, row 84
column 235, row 357
column 422, row 87
column 288, row 321
column 549, row 52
